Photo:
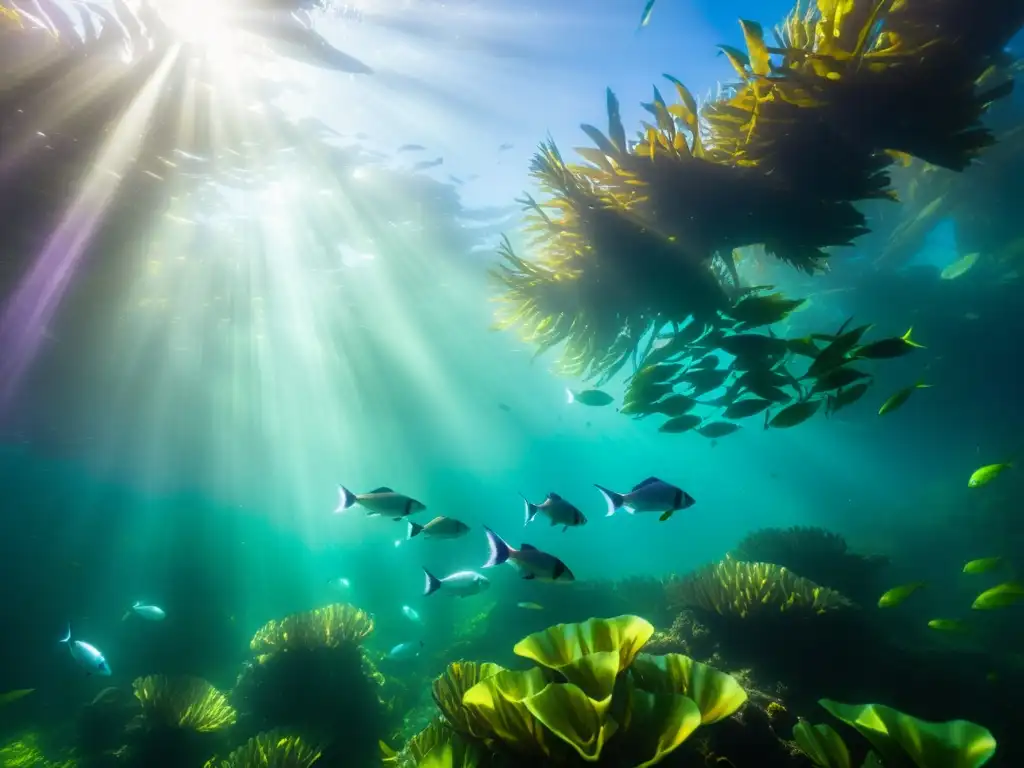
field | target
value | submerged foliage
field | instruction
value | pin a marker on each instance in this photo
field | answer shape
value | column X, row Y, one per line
column 331, row 626
column 742, row 589
column 182, row 702
column 270, row 750
column 637, row 242
column 594, row 698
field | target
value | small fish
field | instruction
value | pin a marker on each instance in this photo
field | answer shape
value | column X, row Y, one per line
column 411, row 148
column 504, row 147
column 380, row 501
column 12, row 696
column 459, row 584
column 948, row 625
column 900, row 398
column 884, row 349
column 794, row 414
column 714, row 429
column 592, row 397
column 987, row 474
column 650, row 495
column 983, row 565
column 897, row 595
column 846, row 396
column 504, row 407
column 680, row 424
column 440, row 527
column 405, row 651
column 411, row 613
column 645, row 17
column 750, row 406
column 530, row 606
column 528, row 560
column 147, row 612
column 425, row 164
column 959, row 267
column 87, row 656
column 1000, row 596
column 557, row 510
column 339, row 584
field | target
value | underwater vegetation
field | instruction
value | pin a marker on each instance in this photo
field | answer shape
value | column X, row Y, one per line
column 817, row 554
column 311, row 676
column 635, row 248
column 596, row 697
column 270, row 750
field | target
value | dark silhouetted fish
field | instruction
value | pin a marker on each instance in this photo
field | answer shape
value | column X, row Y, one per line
column 411, row 148
column 423, row 165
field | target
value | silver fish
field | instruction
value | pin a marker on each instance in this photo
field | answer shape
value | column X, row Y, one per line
column 528, row 560
column 557, row 510
column 380, row 501
column 405, row 651
column 147, row 612
column 87, row 656
column 651, row 495
column 440, row 527
column 459, row 584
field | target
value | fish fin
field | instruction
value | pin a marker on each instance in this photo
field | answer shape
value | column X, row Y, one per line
column 909, row 341
column 666, row 515
column 646, row 482
column 67, row 637
column 500, row 551
column 565, row 528
column 414, row 530
column 432, row 583
column 371, row 513
column 531, row 510
column 615, row 500
column 382, row 489
column 553, row 521
column 528, row 546
column 127, row 615
column 345, row 499
column 570, row 397
column 529, row 576
column 554, row 496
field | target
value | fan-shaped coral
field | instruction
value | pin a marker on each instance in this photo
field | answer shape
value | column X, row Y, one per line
column 743, row 589
column 270, row 750
column 311, row 675
column 328, row 627
column 449, row 688
column 816, row 554
column 182, row 702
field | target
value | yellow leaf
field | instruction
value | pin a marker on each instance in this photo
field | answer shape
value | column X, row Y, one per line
column 753, row 36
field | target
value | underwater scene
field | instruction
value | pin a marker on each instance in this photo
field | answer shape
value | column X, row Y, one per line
column 498, row 383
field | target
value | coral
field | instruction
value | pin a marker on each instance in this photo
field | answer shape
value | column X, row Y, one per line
column 182, row 702
column 25, row 752
column 449, row 688
column 816, row 554
column 311, row 676
column 745, row 589
column 328, row 627
column 270, row 750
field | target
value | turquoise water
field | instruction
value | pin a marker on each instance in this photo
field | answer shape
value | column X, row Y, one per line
column 190, row 372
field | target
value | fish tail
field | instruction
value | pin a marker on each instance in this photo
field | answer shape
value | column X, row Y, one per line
column 345, row 499
column 67, row 637
column 615, row 500
column 909, row 341
column 433, row 583
column 531, row 510
column 569, row 396
column 414, row 530
column 500, row 551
